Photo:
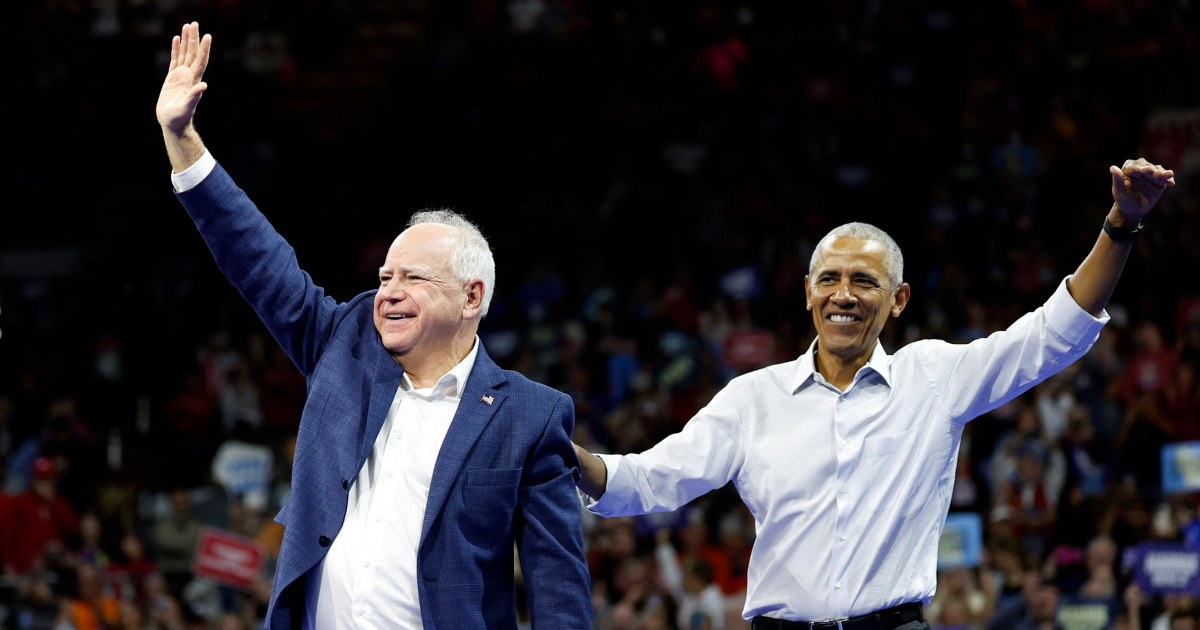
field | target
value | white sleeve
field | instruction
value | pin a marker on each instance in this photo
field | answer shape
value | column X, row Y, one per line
column 975, row 378
column 705, row 455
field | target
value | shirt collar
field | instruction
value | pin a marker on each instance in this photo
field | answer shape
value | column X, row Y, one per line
column 806, row 367
column 452, row 383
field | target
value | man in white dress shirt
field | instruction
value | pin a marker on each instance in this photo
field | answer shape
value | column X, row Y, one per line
column 846, row 455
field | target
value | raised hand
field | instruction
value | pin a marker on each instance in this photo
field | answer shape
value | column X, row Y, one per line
column 184, row 85
column 1137, row 185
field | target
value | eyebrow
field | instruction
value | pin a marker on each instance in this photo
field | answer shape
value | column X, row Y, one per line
column 856, row 274
column 409, row 269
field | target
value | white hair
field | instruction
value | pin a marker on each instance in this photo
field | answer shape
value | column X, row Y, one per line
column 893, row 260
column 472, row 256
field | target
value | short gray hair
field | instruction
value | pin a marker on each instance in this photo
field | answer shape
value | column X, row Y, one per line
column 472, row 256
column 893, row 260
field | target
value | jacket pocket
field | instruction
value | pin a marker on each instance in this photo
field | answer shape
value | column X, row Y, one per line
column 494, row 477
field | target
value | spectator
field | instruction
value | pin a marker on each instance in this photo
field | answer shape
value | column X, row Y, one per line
column 130, row 569
column 1032, row 494
column 174, row 539
column 965, row 599
column 1144, row 613
column 1148, row 373
column 1035, row 610
column 37, row 605
column 93, row 606
column 1100, row 559
column 39, row 526
column 699, row 603
column 91, row 547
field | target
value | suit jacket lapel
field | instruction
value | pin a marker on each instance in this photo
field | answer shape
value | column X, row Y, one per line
column 478, row 405
column 383, row 392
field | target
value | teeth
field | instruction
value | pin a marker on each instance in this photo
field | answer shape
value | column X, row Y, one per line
column 397, row 316
column 842, row 319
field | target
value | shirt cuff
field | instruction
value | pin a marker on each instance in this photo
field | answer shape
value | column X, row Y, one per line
column 1069, row 320
column 191, row 176
column 600, row 507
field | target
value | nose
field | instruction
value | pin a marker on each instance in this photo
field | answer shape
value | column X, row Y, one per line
column 392, row 290
column 842, row 293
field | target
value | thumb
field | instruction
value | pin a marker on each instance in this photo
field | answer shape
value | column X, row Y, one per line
column 1118, row 178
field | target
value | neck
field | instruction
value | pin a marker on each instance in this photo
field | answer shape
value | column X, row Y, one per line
column 424, row 371
column 839, row 371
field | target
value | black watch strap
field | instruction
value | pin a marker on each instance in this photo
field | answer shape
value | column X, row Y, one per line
column 1122, row 234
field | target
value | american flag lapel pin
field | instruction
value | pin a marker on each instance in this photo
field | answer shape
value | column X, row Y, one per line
column 487, row 399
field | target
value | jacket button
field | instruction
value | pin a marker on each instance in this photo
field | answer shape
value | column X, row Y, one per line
column 323, row 540
column 345, row 484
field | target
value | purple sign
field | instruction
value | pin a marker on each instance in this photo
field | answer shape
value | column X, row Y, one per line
column 1167, row 568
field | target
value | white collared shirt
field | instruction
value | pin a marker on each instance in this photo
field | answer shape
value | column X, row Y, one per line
column 849, row 490
column 368, row 578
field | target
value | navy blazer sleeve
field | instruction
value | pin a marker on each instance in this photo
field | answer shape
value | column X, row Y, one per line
column 263, row 267
column 549, row 533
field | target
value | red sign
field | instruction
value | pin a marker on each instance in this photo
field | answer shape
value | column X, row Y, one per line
column 748, row 349
column 229, row 559
column 1172, row 138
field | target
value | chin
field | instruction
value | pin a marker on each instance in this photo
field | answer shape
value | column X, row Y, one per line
column 394, row 345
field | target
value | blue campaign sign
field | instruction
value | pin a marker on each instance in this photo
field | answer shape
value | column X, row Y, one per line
column 961, row 543
column 1164, row 567
column 1181, row 467
column 1191, row 534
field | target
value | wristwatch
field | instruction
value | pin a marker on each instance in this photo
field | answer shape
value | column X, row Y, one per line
column 1122, row 234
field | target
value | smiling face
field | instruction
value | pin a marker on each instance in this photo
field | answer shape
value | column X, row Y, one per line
column 851, row 298
column 426, row 317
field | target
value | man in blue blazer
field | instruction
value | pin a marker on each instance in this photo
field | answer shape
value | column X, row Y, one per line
column 420, row 465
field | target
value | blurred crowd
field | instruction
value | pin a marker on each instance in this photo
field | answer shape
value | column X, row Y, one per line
column 653, row 177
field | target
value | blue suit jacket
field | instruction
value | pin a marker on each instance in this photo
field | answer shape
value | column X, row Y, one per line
column 505, row 475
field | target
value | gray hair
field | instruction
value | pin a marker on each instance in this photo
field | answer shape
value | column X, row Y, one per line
column 893, row 260
column 472, row 256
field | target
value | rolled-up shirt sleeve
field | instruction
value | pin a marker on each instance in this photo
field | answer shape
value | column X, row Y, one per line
column 975, row 378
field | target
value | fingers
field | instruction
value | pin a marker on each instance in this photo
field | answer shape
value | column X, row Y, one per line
column 191, row 51
column 189, row 48
column 191, row 42
column 174, row 53
column 1141, row 169
column 202, row 55
column 1118, row 179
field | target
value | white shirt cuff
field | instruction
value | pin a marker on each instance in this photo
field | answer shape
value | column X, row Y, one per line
column 1068, row 319
column 194, row 174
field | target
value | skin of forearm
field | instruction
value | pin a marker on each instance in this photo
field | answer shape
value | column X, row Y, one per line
column 183, row 148
column 594, row 477
column 1094, row 281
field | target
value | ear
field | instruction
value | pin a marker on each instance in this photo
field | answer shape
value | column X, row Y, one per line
column 902, row 294
column 807, row 294
column 474, row 302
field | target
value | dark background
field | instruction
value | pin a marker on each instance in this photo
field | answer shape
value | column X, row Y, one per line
column 343, row 118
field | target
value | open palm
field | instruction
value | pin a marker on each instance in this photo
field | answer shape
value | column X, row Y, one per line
column 184, row 85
